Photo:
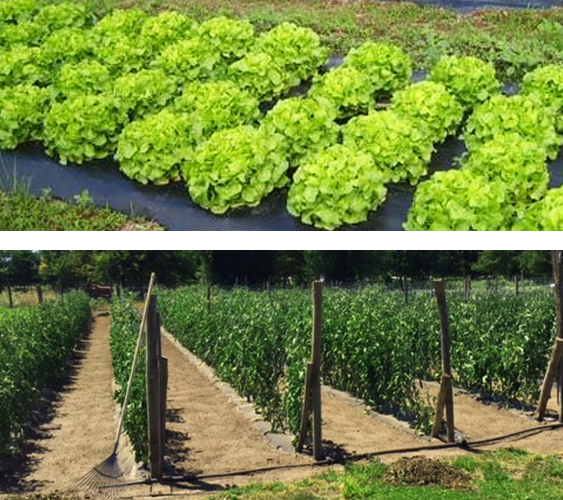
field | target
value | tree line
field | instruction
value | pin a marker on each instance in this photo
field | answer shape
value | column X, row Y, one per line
column 254, row 267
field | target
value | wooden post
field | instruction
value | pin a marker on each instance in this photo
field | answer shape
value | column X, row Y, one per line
column 446, row 391
column 153, row 392
column 316, row 369
column 39, row 294
column 517, row 284
column 557, row 354
column 305, row 410
column 405, row 290
column 163, row 372
column 209, row 298
column 10, row 300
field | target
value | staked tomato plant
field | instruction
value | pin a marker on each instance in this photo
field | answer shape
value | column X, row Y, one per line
column 35, row 346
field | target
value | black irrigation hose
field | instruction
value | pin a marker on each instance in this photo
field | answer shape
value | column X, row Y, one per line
column 329, row 461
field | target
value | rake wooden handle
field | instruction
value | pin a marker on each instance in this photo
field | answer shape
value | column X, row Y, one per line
column 134, row 367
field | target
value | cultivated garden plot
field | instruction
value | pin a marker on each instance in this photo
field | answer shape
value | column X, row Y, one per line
column 217, row 125
column 206, row 432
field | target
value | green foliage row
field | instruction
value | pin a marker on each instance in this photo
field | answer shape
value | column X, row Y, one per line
column 125, row 324
column 374, row 345
column 35, row 345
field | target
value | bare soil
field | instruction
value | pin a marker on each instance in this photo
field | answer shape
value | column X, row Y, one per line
column 208, row 433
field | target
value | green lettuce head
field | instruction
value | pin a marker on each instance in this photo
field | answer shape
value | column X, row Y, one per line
column 335, row 187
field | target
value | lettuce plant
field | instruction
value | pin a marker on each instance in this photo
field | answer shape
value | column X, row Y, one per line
column 334, row 187
column 543, row 215
column 23, row 65
column 347, row 90
column 192, row 59
column 519, row 163
column 262, row 76
column 307, row 126
column 524, row 115
column 469, row 79
column 388, row 66
column 460, row 200
column 85, row 77
column 232, row 38
column 16, row 11
column 218, row 105
column 63, row 15
column 162, row 30
column 298, row 50
column 128, row 22
column 120, row 54
column 236, row 167
column 67, row 45
column 153, row 149
column 116, row 41
column 83, row 128
column 26, row 33
column 144, row 92
column 432, row 105
column 400, row 150
column 547, row 83
column 22, row 110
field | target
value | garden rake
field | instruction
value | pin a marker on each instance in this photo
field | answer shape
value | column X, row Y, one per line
column 101, row 479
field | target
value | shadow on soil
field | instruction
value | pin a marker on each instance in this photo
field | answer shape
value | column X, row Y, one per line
column 14, row 471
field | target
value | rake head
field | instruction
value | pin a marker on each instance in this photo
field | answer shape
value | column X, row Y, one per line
column 104, row 479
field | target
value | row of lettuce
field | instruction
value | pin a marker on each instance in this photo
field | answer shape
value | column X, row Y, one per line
column 374, row 345
column 35, row 346
column 174, row 100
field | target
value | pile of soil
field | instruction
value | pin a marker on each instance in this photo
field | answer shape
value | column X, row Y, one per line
column 422, row 471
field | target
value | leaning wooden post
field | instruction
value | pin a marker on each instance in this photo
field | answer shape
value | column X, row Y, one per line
column 557, row 354
column 516, row 285
column 445, row 398
column 153, row 392
column 39, row 294
column 10, row 300
column 316, row 369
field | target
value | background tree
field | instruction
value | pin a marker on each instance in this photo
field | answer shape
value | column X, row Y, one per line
column 18, row 267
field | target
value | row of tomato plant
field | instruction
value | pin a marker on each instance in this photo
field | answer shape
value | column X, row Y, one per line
column 35, row 346
column 374, row 345
column 124, row 331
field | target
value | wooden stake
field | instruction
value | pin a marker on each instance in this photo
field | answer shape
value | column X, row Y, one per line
column 405, row 290
column 39, row 294
column 153, row 392
column 163, row 372
column 316, row 369
column 446, row 384
column 517, row 284
column 557, row 354
column 10, row 297
column 305, row 410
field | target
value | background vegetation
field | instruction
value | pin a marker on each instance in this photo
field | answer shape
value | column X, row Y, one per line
column 255, row 268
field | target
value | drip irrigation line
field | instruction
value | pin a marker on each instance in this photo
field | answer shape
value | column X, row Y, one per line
column 330, row 461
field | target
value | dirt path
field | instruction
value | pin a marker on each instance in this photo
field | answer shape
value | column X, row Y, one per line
column 80, row 434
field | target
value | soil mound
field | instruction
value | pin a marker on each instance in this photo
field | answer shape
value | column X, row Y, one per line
column 421, row 471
